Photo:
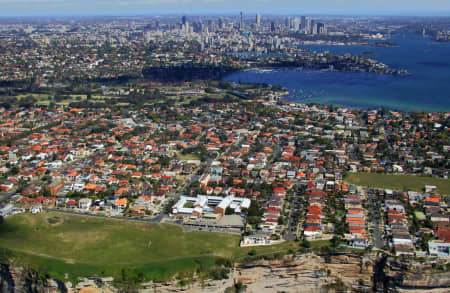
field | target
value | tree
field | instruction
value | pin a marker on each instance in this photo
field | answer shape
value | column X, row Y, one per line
column 27, row 101
column 335, row 241
column 229, row 211
column 280, row 220
column 306, row 244
column 14, row 170
column 239, row 287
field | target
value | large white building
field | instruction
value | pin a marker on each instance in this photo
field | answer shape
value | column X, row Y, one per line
column 213, row 207
column 439, row 248
column 7, row 210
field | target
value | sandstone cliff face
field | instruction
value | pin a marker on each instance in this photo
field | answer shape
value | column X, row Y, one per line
column 19, row 280
column 6, row 281
column 309, row 273
column 427, row 275
column 344, row 272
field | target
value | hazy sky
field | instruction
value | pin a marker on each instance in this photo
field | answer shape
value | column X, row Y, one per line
column 116, row 7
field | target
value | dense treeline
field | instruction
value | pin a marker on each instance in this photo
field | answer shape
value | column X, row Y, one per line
column 187, row 72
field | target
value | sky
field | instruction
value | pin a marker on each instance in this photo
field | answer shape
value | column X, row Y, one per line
column 144, row 7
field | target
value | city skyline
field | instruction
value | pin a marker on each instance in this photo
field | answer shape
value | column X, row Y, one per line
column 138, row 7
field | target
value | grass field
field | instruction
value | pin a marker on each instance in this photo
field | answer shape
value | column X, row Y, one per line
column 398, row 182
column 85, row 246
column 187, row 157
column 46, row 99
column 317, row 244
column 420, row 215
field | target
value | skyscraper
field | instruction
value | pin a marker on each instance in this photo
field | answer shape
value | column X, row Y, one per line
column 241, row 24
column 287, row 22
column 184, row 24
column 211, row 25
column 297, row 23
column 314, row 30
column 320, row 28
column 272, row 26
column 308, row 26
column 303, row 23
column 258, row 20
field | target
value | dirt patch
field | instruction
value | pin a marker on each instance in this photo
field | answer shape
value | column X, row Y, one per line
column 55, row 221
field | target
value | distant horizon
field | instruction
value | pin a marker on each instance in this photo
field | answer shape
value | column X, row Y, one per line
column 60, row 8
column 441, row 14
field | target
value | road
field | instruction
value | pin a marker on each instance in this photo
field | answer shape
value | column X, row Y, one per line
column 153, row 220
column 376, row 219
column 291, row 234
column 4, row 197
column 190, row 179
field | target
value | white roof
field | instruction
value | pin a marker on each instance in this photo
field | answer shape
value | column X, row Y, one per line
column 225, row 202
column 198, row 210
column 201, row 200
column 201, row 203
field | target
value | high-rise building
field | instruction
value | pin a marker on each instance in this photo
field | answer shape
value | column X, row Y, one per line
column 198, row 27
column 308, row 26
column 287, row 22
column 184, row 24
column 221, row 25
column 303, row 23
column 321, row 28
column 258, row 20
column 272, row 26
column 211, row 25
column 241, row 24
column 313, row 30
column 276, row 43
column 297, row 23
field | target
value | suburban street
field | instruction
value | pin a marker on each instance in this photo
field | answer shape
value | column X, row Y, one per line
column 291, row 234
column 4, row 197
column 376, row 220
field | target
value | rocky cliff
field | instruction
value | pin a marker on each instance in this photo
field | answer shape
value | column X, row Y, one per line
column 338, row 272
column 14, row 279
column 403, row 275
column 309, row 273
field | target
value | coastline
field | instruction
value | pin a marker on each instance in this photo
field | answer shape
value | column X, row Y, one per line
column 425, row 88
column 273, row 68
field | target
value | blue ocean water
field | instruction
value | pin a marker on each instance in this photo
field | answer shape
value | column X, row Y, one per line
column 426, row 89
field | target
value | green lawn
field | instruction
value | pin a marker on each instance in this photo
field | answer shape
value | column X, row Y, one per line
column 86, row 246
column 45, row 99
column 398, row 182
column 187, row 157
column 420, row 215
column 36, row 96
column 317, row 244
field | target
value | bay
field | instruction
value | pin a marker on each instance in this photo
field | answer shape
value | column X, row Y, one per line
column 426, row 89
